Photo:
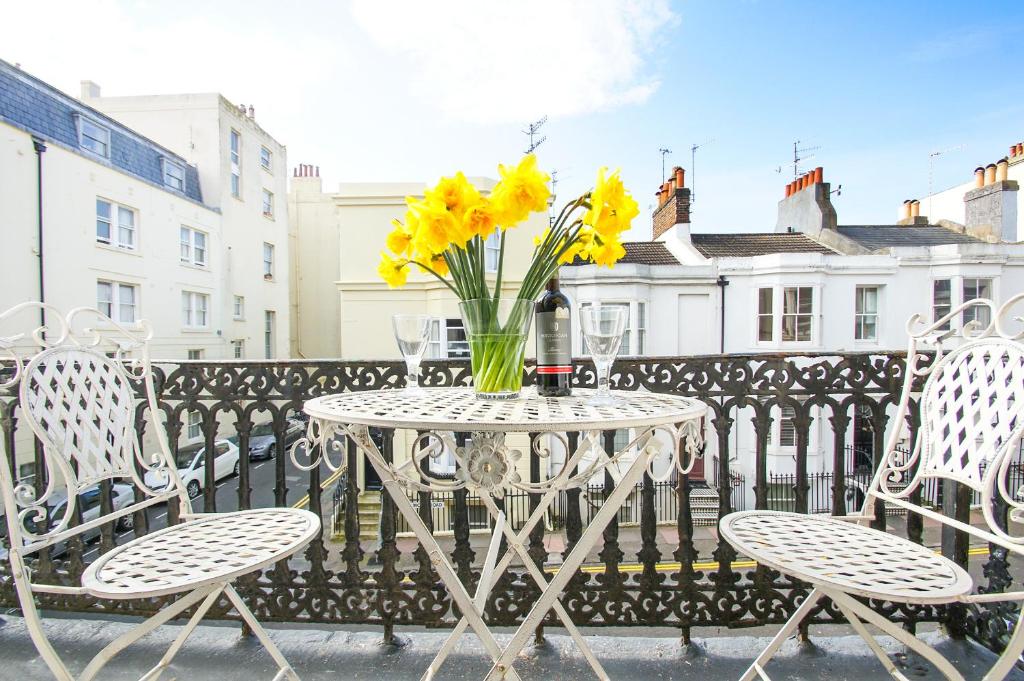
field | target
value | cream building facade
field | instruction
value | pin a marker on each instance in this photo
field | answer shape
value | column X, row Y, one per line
column 242, row 170
column 344, row 309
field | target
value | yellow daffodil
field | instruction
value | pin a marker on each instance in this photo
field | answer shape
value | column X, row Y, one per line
column 522, row 190
column 606, row 252
column 612, row 207
column 435, row 227
column 399, row 241
column 439, row 265
column 479, row 219
column 456, row 193
column 393, row 270
column 580, row 247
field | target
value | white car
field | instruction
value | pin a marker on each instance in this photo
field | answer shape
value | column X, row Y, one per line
column 192, row 467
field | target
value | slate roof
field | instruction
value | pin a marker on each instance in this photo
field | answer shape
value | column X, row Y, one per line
column 640, row 253
column 875, row 237
column 43, row 110
column 749, row 245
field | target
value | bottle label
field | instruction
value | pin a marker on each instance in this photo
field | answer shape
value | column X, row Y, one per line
column 554, row 342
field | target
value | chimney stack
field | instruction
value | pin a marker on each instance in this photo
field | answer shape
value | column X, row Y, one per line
column 90, row 90
column 673, row 204
column 807, row 206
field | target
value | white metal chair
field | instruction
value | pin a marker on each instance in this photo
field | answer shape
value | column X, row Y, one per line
column 80, row 403
column 972, row 416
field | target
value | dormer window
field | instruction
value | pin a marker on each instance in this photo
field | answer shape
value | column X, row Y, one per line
column 174, row 174
column 92, row 136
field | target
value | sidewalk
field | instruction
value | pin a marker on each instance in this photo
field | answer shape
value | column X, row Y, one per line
column 219, row 652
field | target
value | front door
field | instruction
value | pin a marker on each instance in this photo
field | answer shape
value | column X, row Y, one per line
column 371, row 481
column 863, row 438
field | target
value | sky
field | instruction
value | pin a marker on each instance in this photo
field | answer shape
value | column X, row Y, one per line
column 406, row 90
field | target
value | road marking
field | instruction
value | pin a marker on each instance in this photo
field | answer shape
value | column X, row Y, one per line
column 304, row 501
column 978, row 551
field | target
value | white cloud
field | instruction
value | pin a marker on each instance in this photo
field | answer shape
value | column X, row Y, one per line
column 512, row 60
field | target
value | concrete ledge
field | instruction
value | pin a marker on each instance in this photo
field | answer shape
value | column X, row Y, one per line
column 219, row 652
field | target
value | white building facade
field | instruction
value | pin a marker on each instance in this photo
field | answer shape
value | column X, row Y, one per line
column 810, row 287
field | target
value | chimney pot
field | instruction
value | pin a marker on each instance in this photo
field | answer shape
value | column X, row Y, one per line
column 789, row 190
column 318, row 171
column 252, row 111
column 905, row 210
column 990, row 173
column 979, row 177
column 915, row 208
column 1013, row 150
column 680, row 177
column 1020, row 148
column 819, row 175
column 1002, row 170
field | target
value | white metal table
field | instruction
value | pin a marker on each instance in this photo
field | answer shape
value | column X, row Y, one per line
column 487, row 466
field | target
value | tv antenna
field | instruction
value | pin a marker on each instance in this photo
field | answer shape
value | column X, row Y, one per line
column 693, row 168
column 931, row 171
column 801, row 154
column 664, row 152
column 532, row 130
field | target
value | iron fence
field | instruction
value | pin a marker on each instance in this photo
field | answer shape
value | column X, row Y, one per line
column 333, row 583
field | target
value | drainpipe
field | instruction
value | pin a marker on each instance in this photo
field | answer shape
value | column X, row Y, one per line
column 40, row 147
column 722, row 283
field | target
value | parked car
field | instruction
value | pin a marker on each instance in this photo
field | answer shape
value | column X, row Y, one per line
column 263, row 444
column 89, row 501
column 192, row 467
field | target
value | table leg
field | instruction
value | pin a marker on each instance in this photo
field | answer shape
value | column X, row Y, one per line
column 576, row 557
column 360, row 435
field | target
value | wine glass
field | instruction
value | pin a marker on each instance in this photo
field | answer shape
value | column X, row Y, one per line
column 412, row 332
column 602, row 329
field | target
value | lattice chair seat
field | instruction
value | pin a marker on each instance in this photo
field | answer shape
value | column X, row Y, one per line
column 203, row 551
column 851, row 557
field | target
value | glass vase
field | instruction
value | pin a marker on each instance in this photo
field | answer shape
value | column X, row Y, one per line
column 497, row 331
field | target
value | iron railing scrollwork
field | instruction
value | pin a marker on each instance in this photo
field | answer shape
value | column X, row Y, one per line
column 343, row 579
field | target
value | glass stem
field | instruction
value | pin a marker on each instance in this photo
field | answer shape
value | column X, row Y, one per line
column 412, row 379
column 603, row 370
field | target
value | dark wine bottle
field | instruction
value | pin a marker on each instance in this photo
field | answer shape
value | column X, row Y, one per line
column 554, row 343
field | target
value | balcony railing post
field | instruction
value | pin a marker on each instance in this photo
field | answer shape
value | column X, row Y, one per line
column 389, row 579
column 762, row 428
column 840, row 422
column 353, row 553
column 243, row 427
column 536, row 550
column 611, row 555
column 463, row 553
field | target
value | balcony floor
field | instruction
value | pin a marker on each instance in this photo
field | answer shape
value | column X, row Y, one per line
column 218, row 652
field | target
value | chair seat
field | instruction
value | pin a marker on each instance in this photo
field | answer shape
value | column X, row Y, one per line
column 208, row 549
column 846, row 556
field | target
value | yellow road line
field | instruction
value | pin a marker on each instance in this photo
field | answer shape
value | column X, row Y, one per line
column 304, row 501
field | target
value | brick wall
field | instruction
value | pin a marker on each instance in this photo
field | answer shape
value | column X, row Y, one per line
column 673, row 212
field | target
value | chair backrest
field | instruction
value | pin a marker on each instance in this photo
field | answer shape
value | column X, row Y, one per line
column 971, row 416
column 76, row 378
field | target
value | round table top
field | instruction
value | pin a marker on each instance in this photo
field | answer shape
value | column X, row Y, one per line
column 840, row 554
column 458, row 409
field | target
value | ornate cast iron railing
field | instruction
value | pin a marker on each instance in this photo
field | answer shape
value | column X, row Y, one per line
column 384, row 590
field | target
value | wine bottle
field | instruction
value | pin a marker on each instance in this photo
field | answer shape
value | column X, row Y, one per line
column 554, row 343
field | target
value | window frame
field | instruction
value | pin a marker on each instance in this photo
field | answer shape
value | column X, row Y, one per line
column 190, row 310
column 769, row 315
column 976, row 312
column 81, row 121
column 267, row 199
column 195, row 353
column 235, row 162
column 492, row 247
column 936, row 315
column 268, row 263
column 797, row 315
column 116, row 303
column 454, row 347
column 115, row 226
column 860, row 316
column 194, row 420
column 189, row 257
column 268, row 156
column 238, row 308
column 238, row 348
column 166, row 165
column 269, row 332
column 636, row 326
